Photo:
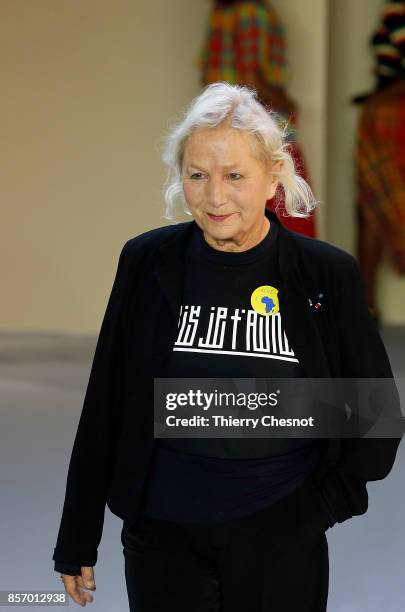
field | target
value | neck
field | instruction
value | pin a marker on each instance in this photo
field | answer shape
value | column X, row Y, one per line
column 236, row 246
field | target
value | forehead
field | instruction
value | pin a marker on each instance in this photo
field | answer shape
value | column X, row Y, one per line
column 230, row 145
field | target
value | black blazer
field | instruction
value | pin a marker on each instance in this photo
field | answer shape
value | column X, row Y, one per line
column 114, row 441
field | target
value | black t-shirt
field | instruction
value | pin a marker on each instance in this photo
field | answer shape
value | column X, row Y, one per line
column 224, row 331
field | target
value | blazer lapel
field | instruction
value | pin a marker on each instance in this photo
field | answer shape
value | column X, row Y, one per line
column 169, row 267
column 301, row 330
column 300, row 327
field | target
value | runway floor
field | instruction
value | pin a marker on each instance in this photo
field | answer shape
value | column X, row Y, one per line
column 43, row 378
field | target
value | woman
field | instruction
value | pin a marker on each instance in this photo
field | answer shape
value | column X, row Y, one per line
column 221, row 524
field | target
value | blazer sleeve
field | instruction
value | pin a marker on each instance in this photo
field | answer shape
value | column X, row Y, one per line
column 93, row 449
column 66, row 568
column 362, row 355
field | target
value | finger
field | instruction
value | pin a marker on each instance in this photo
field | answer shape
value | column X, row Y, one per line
column 81, row 597
column 76, row 595
column 89, row 584
column 86, row 597
column 84, row 594
column 79, row 581
column 87, row 573
column 82, row 582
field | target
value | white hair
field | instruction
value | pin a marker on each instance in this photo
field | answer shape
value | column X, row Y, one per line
column 239, row 108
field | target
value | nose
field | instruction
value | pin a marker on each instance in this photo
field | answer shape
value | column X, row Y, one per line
column 217, row 195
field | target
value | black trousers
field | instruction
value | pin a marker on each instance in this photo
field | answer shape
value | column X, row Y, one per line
column 274, row 560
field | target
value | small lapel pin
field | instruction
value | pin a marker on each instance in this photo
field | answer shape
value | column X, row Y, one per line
column 318, row 303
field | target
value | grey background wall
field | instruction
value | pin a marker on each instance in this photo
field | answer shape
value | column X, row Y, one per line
column 88, row 91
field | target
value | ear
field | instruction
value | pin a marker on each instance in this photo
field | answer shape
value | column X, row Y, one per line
column 274, row 179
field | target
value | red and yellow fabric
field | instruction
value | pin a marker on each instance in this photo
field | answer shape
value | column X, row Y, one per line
column 380, row 157
column 242, row 36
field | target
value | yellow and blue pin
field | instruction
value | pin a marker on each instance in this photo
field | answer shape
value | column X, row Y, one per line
column 264, row 300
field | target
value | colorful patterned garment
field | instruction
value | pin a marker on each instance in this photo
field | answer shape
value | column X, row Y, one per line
column 241, row 36
column 380, row 157
column 389, row 42
column 248, row 35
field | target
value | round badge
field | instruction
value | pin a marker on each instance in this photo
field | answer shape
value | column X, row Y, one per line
column 264, row 300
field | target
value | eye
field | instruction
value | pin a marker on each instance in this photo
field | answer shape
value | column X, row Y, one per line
column 233, row 175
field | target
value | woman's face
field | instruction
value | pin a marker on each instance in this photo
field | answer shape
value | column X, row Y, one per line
column 221, row 176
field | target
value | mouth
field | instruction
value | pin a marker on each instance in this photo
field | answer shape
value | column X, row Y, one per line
column 219, row 217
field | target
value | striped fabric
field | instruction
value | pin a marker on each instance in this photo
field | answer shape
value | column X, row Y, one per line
column 241, row 36
column 380, row 157
column 246, row 35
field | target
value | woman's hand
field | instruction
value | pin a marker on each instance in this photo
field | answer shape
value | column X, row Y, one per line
column 74, row 585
